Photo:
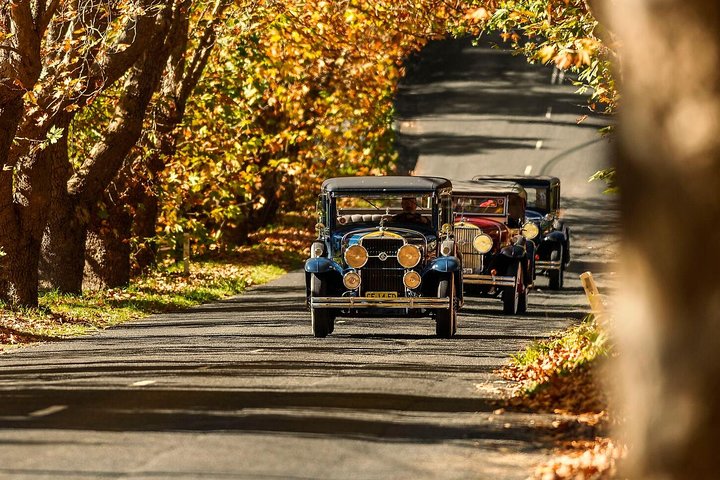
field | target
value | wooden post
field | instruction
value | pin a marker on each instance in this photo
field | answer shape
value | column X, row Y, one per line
column 592, row 293
column 186, row 253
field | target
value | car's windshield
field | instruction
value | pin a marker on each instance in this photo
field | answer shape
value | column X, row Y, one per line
column 537, row 198
column 408, row 208
column 480, row 205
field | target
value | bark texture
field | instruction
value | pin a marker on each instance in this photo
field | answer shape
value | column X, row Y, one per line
column 669, row 173
column 23, row 205
column 107, row 252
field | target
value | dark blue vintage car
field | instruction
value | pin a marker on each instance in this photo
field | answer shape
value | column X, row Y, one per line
column 384, row 248
column 543, row 208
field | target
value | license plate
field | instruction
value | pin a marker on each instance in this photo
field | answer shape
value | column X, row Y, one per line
column 468, row 270
column 381, row 294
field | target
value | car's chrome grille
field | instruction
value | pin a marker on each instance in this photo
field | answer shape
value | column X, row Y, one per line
column 380, row 275
column 382, row 280
column 464, row 238
column 377, row 245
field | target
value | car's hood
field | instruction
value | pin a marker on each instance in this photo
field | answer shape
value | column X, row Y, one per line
column 406, row 234
column 484, row 224
column 534, row 215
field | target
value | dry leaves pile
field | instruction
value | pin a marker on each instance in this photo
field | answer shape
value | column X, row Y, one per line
column 584, row 460
column 562, row 375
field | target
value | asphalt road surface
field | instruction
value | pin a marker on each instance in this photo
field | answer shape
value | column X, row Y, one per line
column 241, row 389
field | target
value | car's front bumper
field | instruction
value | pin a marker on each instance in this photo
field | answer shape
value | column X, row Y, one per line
column 548, row 264
column 367, row 302
column 493, row 280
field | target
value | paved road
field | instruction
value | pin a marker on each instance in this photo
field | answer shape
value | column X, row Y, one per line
column 240, row 389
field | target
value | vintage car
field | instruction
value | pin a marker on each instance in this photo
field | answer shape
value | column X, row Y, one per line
column 384, row 248
column 492, row 235
column 543, row 208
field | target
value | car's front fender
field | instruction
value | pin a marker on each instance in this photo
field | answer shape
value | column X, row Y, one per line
column 555, row 236
column 514, row 251
column 445, row 264
column 322, row 265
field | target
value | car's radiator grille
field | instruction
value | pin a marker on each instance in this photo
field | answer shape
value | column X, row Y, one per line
column 382, row 275
column 377, row 245
column 382, row 280
column 464, row 238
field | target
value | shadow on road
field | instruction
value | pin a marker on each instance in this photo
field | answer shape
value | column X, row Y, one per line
column 353, row 415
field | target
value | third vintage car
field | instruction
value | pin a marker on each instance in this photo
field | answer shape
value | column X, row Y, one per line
column 492, row 234
column 385, row 248
column 543, row 209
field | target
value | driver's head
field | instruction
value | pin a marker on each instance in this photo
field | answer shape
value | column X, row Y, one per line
column 409, row 204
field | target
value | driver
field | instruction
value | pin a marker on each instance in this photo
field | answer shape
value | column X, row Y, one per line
column 409, row 213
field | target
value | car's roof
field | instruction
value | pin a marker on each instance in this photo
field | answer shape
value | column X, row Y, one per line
column 388, row 183
column 488, row 187
column 525, row 180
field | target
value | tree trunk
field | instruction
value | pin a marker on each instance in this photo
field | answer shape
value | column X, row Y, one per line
column 63, row 243
column 107, row 255
column 18, row 278
column 669, row 173
column 64, row 249
column 143, row 228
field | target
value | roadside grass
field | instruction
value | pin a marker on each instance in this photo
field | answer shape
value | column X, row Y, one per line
column 563, row 375
column 275, row 251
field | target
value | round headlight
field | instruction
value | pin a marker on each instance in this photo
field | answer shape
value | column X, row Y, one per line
column 530, row 230
column 356, row 256
column 412, row 279
column 408, row 256
column 483, row 243
column 351, row 280
column 317, row 249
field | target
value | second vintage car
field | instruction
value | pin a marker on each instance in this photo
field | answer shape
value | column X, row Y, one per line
column 492, row 235
column 543, row 209
column 384, row 248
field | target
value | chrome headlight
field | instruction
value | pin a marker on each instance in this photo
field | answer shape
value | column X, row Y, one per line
column 408, row 255
column 530, row 230
column 447, row 248
column 412, row 279
column 483, row 243
column 317, row 249
column 351, row 280
column 356, row 256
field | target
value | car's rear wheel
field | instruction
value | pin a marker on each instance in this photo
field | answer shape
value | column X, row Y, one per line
column 323, row 320
column 446, row 318
column 556, row 276
column 511, row 295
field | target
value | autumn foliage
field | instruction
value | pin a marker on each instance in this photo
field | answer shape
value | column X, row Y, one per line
column 127, row 125
column 292, row 96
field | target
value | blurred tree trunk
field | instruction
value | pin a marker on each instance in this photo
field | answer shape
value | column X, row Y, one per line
column 669, row 172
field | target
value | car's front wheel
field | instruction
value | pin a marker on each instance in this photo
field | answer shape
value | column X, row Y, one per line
column 446, row 318
column 556, row 276
column 323, row 320
column 514, row 297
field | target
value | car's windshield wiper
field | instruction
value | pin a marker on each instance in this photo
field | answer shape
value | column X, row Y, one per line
column 371, row 204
